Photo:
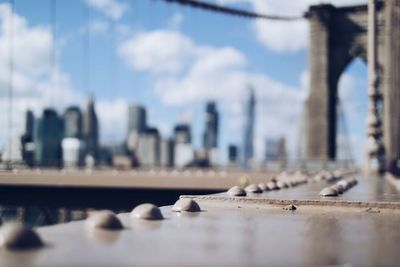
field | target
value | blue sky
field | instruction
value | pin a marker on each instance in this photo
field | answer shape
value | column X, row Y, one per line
column 171, row 59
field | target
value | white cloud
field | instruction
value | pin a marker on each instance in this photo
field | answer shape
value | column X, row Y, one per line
column 113, row 9
column 150, row 52
column 35, row 83
column 284, row 36
column 201, row 73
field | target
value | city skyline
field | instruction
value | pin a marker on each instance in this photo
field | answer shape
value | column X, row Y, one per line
column 173, row 88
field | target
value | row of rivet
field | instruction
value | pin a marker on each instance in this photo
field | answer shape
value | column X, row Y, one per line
column 15, row 236
column 274, row 184
column 338, row 188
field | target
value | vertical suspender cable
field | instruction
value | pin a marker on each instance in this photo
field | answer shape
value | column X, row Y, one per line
column 86, row 50
column 53, row 53
column 10, row 81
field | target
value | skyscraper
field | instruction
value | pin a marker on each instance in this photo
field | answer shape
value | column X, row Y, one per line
column 73, row 122
column 27, row 145
column 91, row 129
column 184, row 153
column 248, row 150
column 210, row 137
column 137, row 124
column 167, row 153
column 148, row 149
column 72, row 144
column 182, row 134
column 137, row 119
column 233, row 154
column 48, row 135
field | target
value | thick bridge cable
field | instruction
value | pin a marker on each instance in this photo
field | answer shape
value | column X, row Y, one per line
column 232, row 11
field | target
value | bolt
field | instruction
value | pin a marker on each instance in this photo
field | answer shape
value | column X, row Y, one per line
column 328, row 192
column 236, row 191
column 290, row 207
column 104, row 219
column 253, row 188
column 263, row 186
column 282, row 184
column 15, row 236
column 272, row 186
column 147, row 211
column 186, row 204
column 339, row 188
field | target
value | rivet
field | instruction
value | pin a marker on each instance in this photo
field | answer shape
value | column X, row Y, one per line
column 147, row 211
column 339, row 188
column 15, row 236
column 104, row 219
column 263, row 186
column 272, row 186
column 282, row 184
column 346, row 185
column 353, row 181
column 253, row 188
column 290, row 207
column 236, row 191
column 328, row 192
column 186, row 204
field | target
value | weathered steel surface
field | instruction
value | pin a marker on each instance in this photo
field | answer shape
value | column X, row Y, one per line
column 110, row 188
column 232, row 232
column 188, row 179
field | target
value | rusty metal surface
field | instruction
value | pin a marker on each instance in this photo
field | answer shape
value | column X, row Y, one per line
column 225, row 235
column 232, row 232
column 188, row 179
column 369, row 192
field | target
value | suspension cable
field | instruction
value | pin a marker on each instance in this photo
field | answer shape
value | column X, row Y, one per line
column 11, row 81
column 53, row 53
column 232, row 11
column 86, row 50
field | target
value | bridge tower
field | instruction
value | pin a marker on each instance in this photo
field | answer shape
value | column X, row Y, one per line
column 338, row 36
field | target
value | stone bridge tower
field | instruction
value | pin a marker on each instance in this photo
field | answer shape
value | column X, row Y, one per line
column 338, row 36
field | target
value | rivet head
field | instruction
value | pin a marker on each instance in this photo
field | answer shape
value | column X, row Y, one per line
column 186, row 204
column 104, row 219
column 346, row 185
column 282, row 184
column 15, row 236
column 263, row 186
column 272, row 186
column 353, row 181
column 147, row 211
column 236, row 191
column 339, row 188
column 253, row 188
column 290, row 207
column 328, row 192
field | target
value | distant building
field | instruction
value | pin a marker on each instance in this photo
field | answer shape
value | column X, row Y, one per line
column 167, row 153
column 137, row 119
column 184, row 155
column 73, row 122
column 137, row 124
column 148, row 149
column 91, row 130
column 182, row 134
column 248, row 149
column 271, row 150
column 73, row 151
column 233, row 154
column 48, row 135
column 27, row 144
column 210, row 136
